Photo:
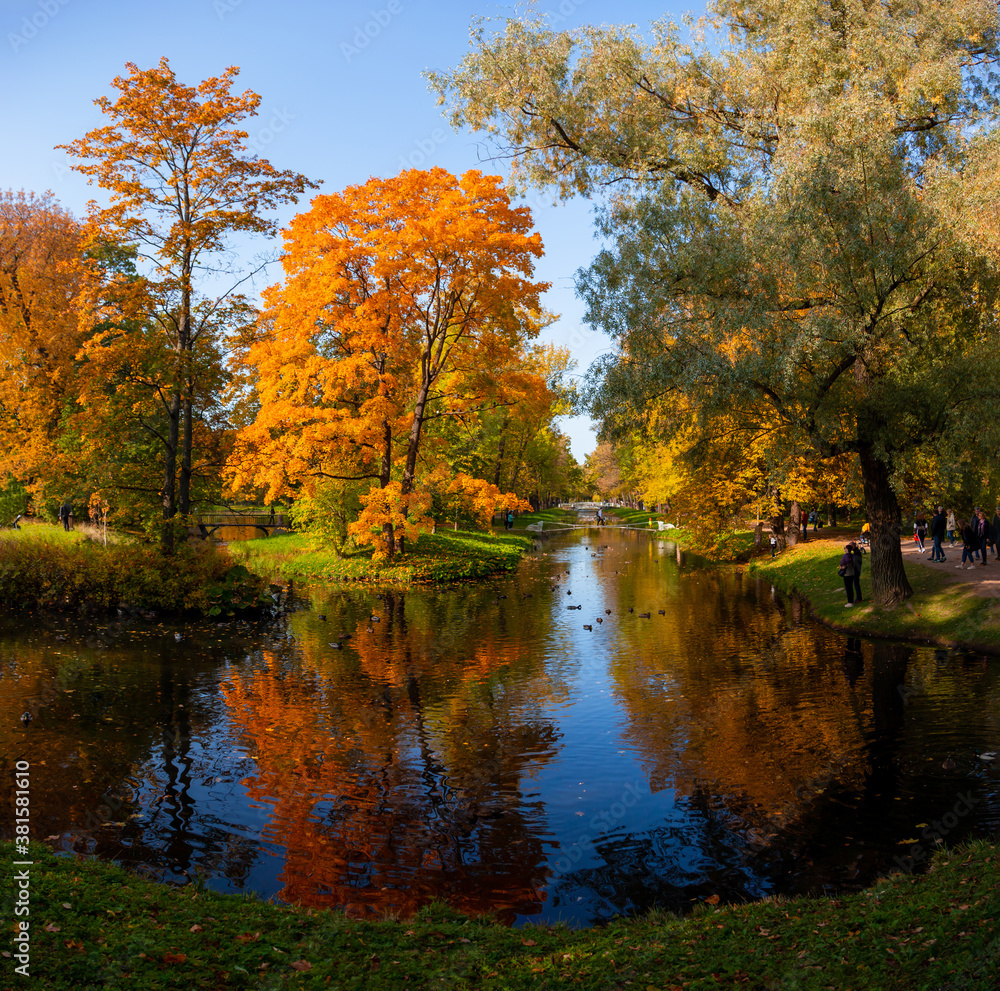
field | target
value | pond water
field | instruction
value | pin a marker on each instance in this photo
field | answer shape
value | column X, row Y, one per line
column 479, row 745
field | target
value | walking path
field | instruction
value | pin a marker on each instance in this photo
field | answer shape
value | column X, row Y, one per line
column 985, row 579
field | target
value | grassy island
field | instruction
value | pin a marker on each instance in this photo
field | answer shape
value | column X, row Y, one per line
column 444, row 556
column 93, row 925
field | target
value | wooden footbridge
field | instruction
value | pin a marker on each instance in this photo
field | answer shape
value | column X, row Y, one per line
column 269, row 523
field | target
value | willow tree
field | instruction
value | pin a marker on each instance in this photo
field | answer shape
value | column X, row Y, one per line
column 181, row 182
column 797, row 217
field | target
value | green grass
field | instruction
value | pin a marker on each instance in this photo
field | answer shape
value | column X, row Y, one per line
column 44, row 533
column 939, row 612
column 635, row 517
column 95, row 925
column 543, row 516
column 445, row 556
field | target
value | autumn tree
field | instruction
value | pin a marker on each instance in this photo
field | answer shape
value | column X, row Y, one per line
column 40, row 276
column 405, row 300
column 801, row 217
column 181, row 182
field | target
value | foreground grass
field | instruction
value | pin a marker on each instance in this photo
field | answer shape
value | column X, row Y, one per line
column 939, row 611
column 448, row 555
column 95, row 925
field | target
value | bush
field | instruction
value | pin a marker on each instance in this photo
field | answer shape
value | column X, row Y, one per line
column 85, row 575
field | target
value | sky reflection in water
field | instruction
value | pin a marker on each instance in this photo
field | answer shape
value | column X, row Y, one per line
column 480, row 746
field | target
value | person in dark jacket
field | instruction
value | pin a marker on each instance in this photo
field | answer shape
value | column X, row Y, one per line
column 985, row 534
column 968, row 546
column 857, row 559
column 846, row 571
column 939, row 526
column 64, row 514
column 996, row 532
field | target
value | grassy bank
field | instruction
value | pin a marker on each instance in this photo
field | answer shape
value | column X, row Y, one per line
column 543, row 516
column 939, row 612
column 445, row 556
column 93, row 925
column 45, row 567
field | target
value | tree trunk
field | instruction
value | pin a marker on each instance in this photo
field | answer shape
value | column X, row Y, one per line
column 889, row 583
column 184, row 478
column 794, row 524
column 777, row 518
column 500, row 450
column 385, row 475
column 831, row 516
column 170, row 473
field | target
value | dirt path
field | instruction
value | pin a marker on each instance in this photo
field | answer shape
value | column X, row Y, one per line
column 984, row 581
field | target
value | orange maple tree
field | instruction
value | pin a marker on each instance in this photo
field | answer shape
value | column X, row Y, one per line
column 40, row 276
column 181, row 181
column 405, row 300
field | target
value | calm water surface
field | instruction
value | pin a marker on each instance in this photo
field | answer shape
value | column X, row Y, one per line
column 481, row 746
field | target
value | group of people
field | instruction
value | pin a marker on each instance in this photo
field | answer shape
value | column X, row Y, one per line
column 978, row 533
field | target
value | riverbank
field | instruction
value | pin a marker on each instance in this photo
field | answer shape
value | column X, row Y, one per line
column 944, row 609
column 45, row 567
column 95, row 925
column 444, row 556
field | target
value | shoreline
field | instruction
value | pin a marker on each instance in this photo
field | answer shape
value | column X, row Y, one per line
column 94, row 923
column 944, row 611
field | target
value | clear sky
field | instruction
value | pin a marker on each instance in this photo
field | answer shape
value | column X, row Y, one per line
column 339, row 104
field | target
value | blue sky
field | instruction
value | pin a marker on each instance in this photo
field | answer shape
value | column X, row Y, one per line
column 332, row 107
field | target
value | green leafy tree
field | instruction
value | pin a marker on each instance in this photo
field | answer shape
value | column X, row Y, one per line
column 799, row 218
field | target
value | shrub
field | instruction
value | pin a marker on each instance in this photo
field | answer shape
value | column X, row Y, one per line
column 203, row 579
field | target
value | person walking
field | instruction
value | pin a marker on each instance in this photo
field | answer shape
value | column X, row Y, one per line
column 996, row 531
column 857, row 559
column 951, row 526
column 510, row 519
column 64, row 514
column 846, row 571
column 968, row 545
column 983, row 532
column 920, row 531
column 774, row 545
column 938, row 526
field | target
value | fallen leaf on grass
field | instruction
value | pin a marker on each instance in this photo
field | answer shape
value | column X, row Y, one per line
column 51, row 927
column 528, row 942
column 175, row 958
column 302, row 965
column 712, row 900
column 248, row 938
column 197, row 929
